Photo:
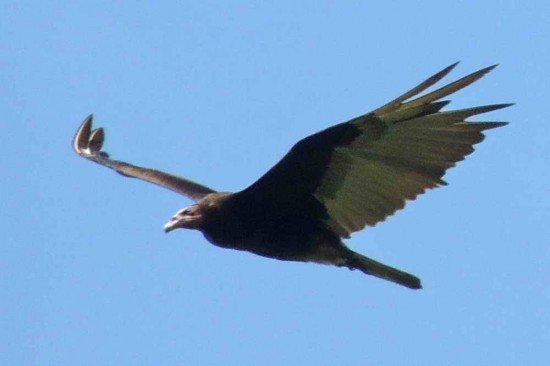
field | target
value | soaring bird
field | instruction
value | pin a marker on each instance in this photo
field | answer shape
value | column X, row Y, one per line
column 330, row 184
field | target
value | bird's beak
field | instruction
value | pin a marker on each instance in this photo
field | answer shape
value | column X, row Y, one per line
column 182, row 220
column 170, row 225
column 176, row 221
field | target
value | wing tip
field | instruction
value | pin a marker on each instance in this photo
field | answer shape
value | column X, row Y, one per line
column 489, row 68
column 97, row 137
column 451, row 66
column 82, row 135
column 491, row 125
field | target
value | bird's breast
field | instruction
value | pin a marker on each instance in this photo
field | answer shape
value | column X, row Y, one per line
column 287, row 236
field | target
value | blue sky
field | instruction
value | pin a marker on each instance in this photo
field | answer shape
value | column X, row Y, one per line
column 218, row 92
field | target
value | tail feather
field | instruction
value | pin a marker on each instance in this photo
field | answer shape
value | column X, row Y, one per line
column 380, row 270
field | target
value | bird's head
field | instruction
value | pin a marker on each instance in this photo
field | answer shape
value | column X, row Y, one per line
column 187, row 218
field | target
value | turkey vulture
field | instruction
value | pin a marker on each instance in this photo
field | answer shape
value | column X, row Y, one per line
column 330, row 184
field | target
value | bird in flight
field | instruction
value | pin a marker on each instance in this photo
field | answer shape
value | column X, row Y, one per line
column 331, row 183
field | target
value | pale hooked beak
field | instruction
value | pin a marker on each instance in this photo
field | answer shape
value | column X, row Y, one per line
column 171, row 224
column 187, row 218
column 176, row 221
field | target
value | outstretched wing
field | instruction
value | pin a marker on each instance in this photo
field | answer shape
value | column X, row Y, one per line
column 359, row 172
column 87, row 143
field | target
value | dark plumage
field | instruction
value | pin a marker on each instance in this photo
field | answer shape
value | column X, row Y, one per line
column 330, row 184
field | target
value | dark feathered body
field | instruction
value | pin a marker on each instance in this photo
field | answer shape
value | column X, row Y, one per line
column 255, row 226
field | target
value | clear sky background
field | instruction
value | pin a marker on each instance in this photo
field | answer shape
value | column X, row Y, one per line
column 218, row 92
